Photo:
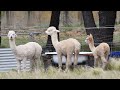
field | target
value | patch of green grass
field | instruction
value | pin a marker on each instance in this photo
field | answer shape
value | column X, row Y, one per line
column 42, row 38
column 78, row 73
column 5, row 42
column 23, row 40
column 113, row 65
column 97, row 71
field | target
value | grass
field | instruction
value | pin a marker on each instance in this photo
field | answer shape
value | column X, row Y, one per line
column 78, row 73
column 41, row 39
column 112, row 70
column 65, row 33
column 113, row 65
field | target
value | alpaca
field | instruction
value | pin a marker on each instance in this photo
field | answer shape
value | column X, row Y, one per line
column 31, row 50
column 100, row 53
column 65, row 47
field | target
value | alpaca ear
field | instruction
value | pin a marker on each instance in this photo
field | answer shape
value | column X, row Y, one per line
column 57, row 31
column 90, row 34
column 15, row 35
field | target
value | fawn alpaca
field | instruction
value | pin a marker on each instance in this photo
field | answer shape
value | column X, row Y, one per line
column 100, row 52
column 65, row 47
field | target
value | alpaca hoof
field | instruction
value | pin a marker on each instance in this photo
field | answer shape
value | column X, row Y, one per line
column 66, row 71
column 75, row 66
column 60, row 70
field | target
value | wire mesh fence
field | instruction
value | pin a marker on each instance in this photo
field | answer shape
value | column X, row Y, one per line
column 78, row 33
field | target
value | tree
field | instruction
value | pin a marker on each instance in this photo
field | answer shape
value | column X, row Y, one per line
column 8, row 17
column 29, row 18
column 88, row 23
column 66, row 18
column 80, row 17
column 106, row 19
column 53, row 22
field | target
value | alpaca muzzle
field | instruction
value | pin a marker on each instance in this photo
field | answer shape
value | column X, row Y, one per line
column 11, row 38
column 86, row 41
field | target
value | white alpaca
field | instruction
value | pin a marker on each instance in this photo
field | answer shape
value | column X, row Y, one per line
column 100, row 52
column 65, row 47
column 31, row 50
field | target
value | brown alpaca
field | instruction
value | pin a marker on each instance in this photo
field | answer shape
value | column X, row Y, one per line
column 100, row 52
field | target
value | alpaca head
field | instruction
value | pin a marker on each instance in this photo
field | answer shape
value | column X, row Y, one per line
column 11, row 35
column 89, row 39
column 51, row 30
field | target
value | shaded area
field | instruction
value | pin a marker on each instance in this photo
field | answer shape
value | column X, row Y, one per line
column 53, row 22
column 106, row 19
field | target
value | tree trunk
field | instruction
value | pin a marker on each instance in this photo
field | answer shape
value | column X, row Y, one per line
column 89, row 23
column 66, row 18
column 107, row 19
column 80, row 17
column 118, row 17
column 0, row 28
column 53, row 22
column 8, row 18
column 29, row 20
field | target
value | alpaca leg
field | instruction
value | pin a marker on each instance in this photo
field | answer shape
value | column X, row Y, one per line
column 104, row 61
column 31, row 65
column 68, row 62
column 107, row 56
column 99, row 62
column 18, row 66
column 37, row 63
column 76, row 59
column 95, row 61
column 24, row 64
column 60, row 62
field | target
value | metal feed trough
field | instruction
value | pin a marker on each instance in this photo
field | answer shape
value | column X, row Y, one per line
column 8, row 61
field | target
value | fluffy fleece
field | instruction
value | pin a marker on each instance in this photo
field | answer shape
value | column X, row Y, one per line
column 100, row 52
column 65, row 47
column 31, row 51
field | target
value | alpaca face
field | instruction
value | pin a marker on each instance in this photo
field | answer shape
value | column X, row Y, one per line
column 51, row 30
column 11, row 35
column 89, row 39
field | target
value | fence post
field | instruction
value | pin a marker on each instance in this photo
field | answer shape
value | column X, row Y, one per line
column 31, row 37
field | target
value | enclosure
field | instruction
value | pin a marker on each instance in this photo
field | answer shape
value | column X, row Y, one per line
column 31, row 26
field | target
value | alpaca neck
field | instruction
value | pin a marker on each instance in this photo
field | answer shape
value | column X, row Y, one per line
column 13, row 45
column 54, row 39
column 91, row 46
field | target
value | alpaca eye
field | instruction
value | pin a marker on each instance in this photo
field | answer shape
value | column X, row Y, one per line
column 49, row 31
column 13, row 34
